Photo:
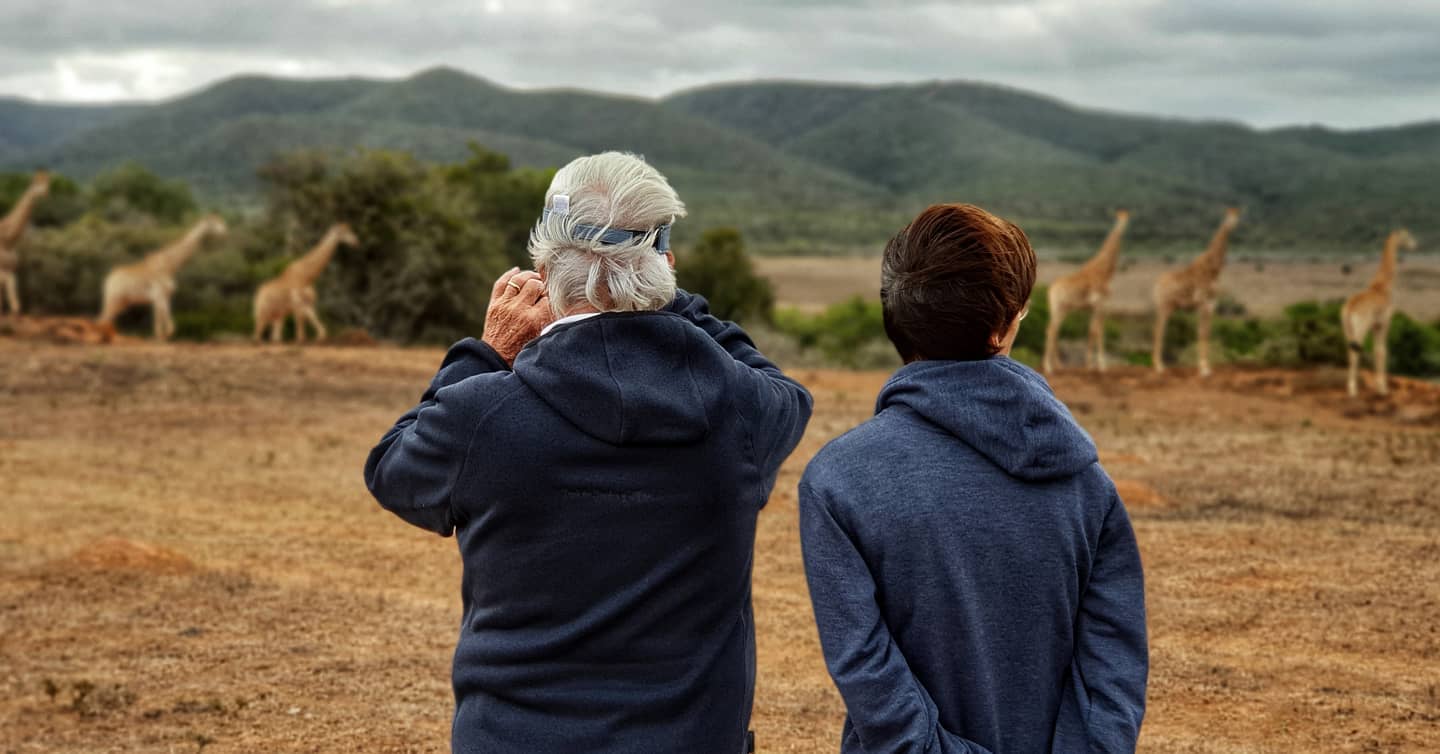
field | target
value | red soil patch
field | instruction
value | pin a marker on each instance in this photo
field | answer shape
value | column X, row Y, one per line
column 1137, row 494
column 116, row 554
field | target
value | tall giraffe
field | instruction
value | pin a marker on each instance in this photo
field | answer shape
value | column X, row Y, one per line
column 1194, row 287
column 293, row 291
column 12, row 230
column 152, row 279
column 1370, row 310
column 1087, row 287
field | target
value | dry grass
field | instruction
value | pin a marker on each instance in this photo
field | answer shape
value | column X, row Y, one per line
column 812, row 283
column 189, row 560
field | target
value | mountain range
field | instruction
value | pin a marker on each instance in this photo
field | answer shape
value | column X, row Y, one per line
column 797, row 166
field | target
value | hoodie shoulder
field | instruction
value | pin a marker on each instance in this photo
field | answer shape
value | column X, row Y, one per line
column 852, row 456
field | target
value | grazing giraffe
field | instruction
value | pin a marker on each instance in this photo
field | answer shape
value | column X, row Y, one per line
column 12, row 230
column 1088, row 287
column 1370, row 310
column 1194, row 287
column 293, row 292
column 152, row 279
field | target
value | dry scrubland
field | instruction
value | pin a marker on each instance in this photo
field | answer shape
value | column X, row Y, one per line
column 1265, row 287
column 189, row 559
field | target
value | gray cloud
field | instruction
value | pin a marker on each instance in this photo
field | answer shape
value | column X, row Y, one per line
column 1348, row 63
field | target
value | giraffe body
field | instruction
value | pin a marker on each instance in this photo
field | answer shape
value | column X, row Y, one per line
column 292, row 293
column 152, row 279
column 1086, row 288
column 1369, row 312
column 12, row 232
column 1196, row 286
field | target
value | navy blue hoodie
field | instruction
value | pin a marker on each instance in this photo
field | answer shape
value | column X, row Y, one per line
column 976, row 582
column 605, row 495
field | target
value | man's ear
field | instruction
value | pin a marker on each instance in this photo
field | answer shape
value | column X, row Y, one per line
column 669, row 257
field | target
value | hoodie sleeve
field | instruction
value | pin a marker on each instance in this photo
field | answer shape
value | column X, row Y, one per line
column 888, row 709
column 781, row 405
column 414, row 468
column 1104, row 699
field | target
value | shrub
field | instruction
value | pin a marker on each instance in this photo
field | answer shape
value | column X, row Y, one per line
column 850, row 333
column 1414, row 347
column 423, row 269
column 1316, row 331
column 718, row 269
column 131, row 189
column 1239, row 338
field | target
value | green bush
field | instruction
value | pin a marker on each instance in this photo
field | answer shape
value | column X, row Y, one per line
column 1315, row 330
column 850, row 333
column 1414, row 347
column 718, row 269
column 130, row 189
column 425, row 264
column 1238, row 338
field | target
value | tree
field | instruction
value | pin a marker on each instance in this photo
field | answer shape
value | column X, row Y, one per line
column 131, row 189
column 718, row 269
column 507, row 200
column 423, row 269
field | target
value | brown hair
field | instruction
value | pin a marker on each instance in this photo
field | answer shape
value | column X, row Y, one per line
column 952, row 280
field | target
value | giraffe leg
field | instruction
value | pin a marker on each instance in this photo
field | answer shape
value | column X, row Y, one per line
column 12, row 293
column 277, row 330
column 1207, row 313
column 1052, row 333
column 1097, row 336
column 161, row 314
column 299, row 326
column 314, row 318
column 1352, row 353
column 1157, row 355
column 1382, row 361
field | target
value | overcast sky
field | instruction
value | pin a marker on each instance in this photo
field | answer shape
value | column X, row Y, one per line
column 1267, row 62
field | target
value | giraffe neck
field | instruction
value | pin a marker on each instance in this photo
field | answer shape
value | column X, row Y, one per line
column 307, row 268
column 1105, row 260
column 18, row 219
column 170, row 260
column 1388, row 262
column 1213, row 260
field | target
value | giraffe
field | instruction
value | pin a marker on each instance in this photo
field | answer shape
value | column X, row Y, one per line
column 152, row 279
column 1194, row 287
column 1370, row 310
column 293, row 292
column 12, row 230
column 1088, row 287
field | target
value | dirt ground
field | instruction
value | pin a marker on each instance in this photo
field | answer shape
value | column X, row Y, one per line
column 1265, row 288
column 189, row 560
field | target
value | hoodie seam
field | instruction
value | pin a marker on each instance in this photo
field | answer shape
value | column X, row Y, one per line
column 610, row 372
column 470, row 447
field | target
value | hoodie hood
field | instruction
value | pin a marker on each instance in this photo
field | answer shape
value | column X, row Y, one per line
column 631, row 378
column 999, row 407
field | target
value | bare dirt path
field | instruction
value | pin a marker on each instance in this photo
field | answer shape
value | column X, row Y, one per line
column 189, row 560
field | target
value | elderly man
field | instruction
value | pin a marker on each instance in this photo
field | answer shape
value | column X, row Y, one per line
column 604, row 479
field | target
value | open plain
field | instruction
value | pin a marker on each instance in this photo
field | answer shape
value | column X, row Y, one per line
column 189, row 560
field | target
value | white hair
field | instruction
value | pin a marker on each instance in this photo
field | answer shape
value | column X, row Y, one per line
column 611, row 190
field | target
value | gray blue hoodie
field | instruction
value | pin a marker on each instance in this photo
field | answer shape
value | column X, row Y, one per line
column 604, row 496
column 975, row 579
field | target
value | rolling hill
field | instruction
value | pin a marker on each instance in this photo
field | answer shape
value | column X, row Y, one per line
column 801, row 166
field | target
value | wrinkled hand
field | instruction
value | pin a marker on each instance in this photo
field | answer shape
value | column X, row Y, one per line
column 518, row 311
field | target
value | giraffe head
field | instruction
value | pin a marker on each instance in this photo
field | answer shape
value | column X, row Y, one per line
column 1232, row 216
column 40, row 183
column 344, row 234
column 1403, row 240
column 1122, row 216
column 214, row 225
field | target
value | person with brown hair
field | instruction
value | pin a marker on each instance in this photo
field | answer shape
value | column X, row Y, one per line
column 976, row 582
